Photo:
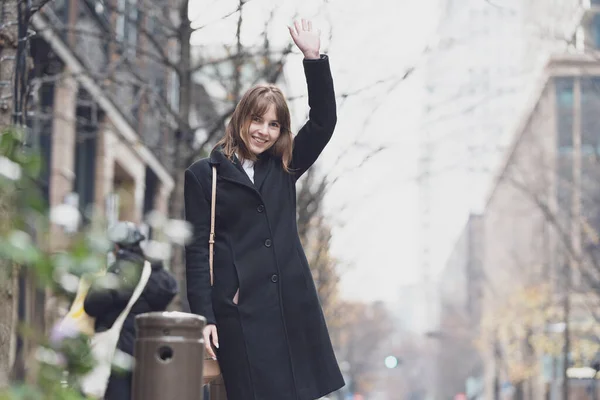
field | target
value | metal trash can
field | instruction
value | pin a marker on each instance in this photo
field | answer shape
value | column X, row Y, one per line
column 169, row 354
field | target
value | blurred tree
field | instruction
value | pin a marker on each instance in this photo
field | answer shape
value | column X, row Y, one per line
column 530, row 324
column 363, row 329
column 21, row 203
column 8, row 272
column 315, row 235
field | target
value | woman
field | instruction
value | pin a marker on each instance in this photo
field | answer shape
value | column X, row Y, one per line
column 263, row 313
column 105, row 302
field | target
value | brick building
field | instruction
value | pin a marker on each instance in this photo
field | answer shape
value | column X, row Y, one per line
column 96, row 110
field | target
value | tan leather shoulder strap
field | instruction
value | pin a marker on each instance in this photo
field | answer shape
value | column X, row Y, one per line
column 211, row 238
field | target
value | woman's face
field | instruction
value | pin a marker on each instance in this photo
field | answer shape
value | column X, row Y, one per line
column 263, row 132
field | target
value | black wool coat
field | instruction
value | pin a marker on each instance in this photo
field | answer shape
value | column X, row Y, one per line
column 274, row 343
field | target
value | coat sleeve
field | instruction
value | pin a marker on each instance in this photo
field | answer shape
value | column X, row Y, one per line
column 315, row 134
column 197, row 213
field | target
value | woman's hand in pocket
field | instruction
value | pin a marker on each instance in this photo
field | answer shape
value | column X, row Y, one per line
column 211, row 338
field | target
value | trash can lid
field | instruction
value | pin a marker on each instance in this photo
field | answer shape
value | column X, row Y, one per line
column 170, row 318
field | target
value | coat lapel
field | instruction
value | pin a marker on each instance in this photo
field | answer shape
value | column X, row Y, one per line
column 230, row 172
column 261, row 169
column 237, row 163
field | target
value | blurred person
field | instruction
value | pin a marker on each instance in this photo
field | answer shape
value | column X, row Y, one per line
column 109, row 295
column 265, row 324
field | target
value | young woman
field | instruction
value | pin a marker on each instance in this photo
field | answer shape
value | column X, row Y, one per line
column 264, row 317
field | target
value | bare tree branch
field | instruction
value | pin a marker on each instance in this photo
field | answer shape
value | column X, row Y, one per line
column 138, row 49
column 36, row 6
column 238, row 9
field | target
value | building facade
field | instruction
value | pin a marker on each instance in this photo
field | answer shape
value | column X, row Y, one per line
column 99, row 90
column 460, row 287
column 96, row 110
column 542, row 210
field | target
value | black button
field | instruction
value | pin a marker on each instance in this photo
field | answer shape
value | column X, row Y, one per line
column 274, row 278
column 260, row 208
column 268, row 243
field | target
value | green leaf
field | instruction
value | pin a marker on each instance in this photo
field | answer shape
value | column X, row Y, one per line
column 30, row 161
column 34, row 201
column 18, row 247
column 22, row 392
column 8, row 143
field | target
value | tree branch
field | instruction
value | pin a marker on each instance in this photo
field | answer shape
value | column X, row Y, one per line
column 239, row 8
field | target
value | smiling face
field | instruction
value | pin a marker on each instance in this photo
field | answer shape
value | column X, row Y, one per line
column 263, row 132
column 260, row 123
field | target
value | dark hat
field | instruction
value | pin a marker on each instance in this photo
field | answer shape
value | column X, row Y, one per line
column 125, row 233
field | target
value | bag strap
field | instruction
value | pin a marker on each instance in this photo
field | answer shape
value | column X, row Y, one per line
column 136, row 294
column 211, row 238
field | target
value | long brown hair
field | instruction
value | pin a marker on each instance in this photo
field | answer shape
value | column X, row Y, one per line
column 256, row 101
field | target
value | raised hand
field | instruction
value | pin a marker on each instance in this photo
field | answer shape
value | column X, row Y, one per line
column 306, row 39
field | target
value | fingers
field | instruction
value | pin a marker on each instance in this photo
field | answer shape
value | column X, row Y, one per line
column 298, row 26
column 215, row 337
column 207, row 346
column 303, row 25
column 209, row 331
column 293, row 32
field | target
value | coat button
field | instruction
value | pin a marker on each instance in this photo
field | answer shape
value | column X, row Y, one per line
column 274, row 278
column 260, row 208
column 268, row 243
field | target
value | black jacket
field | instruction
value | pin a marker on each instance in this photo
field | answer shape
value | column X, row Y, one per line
column 105, row 302
column 274, row 343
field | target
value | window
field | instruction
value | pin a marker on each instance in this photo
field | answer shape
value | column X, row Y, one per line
column 120, row 25
column 132, row 25
column 595, row 30
column 127, row 24
column 174, row 91
column 136, row 101
column 590, row 191
column 85, row 151
column 150, row 192
column 590, row 149
column 564, row 104
column 152, row 23
column 590, row 119
column 39, row 131
column 564, row 132
column 173, row 83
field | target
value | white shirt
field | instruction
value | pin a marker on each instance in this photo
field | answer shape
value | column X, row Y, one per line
column 248, row 166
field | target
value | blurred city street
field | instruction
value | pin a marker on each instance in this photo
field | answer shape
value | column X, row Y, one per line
column 451, row 225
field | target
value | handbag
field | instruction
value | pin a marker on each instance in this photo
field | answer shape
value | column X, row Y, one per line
column 77, row 319
column 103, row 344
column 211, row 369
